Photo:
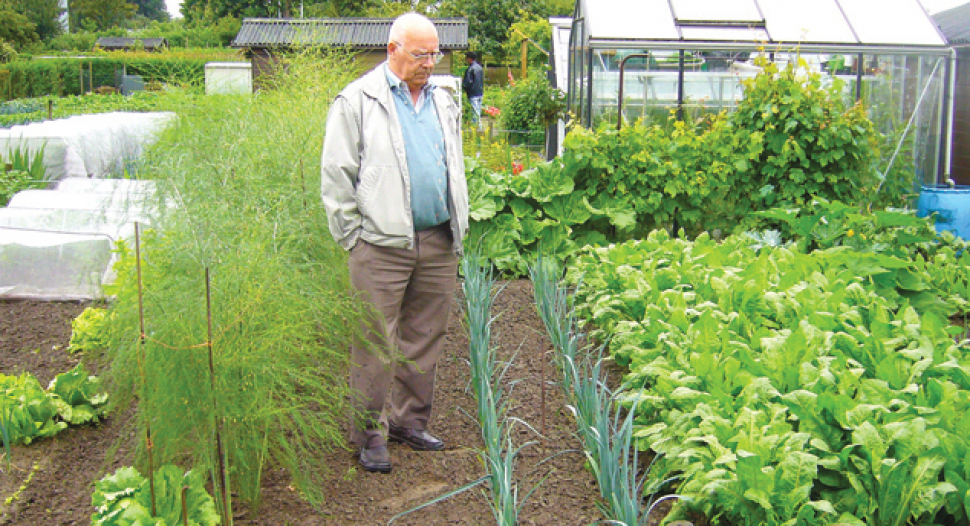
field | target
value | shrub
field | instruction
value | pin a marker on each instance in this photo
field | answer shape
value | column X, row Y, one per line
column 532, row 105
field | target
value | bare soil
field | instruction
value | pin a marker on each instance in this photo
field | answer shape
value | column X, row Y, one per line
column 50, row 481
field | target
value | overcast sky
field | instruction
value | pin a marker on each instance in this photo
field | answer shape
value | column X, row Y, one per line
column 173, row 7
column 933, row 6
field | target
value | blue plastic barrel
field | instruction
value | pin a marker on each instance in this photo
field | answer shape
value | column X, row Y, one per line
column 951, row 204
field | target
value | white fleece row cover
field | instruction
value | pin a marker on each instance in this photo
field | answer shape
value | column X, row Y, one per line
column 95, row 145
column 58, row 244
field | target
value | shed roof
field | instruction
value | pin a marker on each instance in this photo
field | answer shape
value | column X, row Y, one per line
column 889, row 23
column 354, row 32
column 127, row 42
column 955, row 24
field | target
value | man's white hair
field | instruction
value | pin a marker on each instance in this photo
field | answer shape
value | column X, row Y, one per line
column 407, row 23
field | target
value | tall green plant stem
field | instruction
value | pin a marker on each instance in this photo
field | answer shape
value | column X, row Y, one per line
column 141, row 353
column 217, row 425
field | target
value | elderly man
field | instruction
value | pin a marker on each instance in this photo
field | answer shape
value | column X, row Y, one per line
column 394, row 189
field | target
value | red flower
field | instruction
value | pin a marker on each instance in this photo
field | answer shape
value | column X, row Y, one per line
column 492, row 110
column 517, row 168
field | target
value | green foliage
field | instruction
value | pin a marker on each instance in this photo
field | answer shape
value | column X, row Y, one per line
column 211, row 10
column 29, row 412
column 538, row 31
column 181, row 34
column 94, row 103
column 152, row 9
column 124, row 499
column 785, row 386
column 88, row 331
column 26, row 171
column 281, row 307
column 100, row 14
column 15, row 28
column 488, row 22
column 76, row 41
column 44, row 14
column 790, row 142
column 532, row 105
column 63, row 76
column 811, row 144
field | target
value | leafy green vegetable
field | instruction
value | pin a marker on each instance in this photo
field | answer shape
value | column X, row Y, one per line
column 28, row 412
column 124, row 499
column 87, row 331
column 789, row 387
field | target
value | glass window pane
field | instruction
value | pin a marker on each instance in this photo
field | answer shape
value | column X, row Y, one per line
column 731, row 34
column 891, row 22
column 719, row 10
column 631, row 19
column 815, row 21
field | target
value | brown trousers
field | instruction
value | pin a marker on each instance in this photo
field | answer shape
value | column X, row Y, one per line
column 412, row 293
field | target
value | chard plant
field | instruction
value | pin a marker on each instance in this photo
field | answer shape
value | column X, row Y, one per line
column 238, row 186
column 784, row 386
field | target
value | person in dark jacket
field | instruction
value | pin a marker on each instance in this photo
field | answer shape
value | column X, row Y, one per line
column 473, row 84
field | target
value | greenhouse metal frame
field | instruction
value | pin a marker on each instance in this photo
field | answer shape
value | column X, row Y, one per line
column 690, row 56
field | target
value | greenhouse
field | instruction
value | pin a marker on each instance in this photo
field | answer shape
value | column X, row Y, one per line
column 648, row 58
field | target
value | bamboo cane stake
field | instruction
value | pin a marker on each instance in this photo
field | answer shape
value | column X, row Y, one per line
column 542, row 401
column 185, row 507
column 141, row 340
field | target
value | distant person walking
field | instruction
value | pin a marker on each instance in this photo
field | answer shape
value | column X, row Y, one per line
column 395, row 193
column 473, row 84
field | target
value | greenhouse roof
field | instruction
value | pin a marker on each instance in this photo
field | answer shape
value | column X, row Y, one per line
column 888, row 23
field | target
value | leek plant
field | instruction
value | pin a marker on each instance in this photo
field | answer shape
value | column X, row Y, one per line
column 606, row 434
column 499, row 453
column 235, row 175
column 557, row 314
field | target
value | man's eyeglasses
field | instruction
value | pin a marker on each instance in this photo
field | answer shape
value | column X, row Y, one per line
column 436, row 56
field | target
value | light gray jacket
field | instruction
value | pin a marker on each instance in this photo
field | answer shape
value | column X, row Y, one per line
column 366, row 187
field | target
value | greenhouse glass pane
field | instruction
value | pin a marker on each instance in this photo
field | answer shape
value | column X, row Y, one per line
column 891, row 22
column 730, row 34
column 815, row 21
column 631, row 19
column 716, row 10
column 904, row 99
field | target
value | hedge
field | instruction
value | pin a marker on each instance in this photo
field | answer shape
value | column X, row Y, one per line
column 62, row 76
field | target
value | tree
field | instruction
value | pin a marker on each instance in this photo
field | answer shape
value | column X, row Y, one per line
column 152, row 9
column 211, row 10
column 488, row 21
column 548, row 8
column 15, row 29
column 44, row 14
column 102, row 14
column 338, row 8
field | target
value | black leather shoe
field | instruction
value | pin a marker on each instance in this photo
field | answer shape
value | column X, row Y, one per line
column 375, row 459
column 418, row 440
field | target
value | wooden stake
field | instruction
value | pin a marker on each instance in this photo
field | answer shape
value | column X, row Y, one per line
column 542, row 401
column 185, row 507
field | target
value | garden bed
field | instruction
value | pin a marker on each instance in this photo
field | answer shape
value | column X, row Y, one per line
column 34, row 336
